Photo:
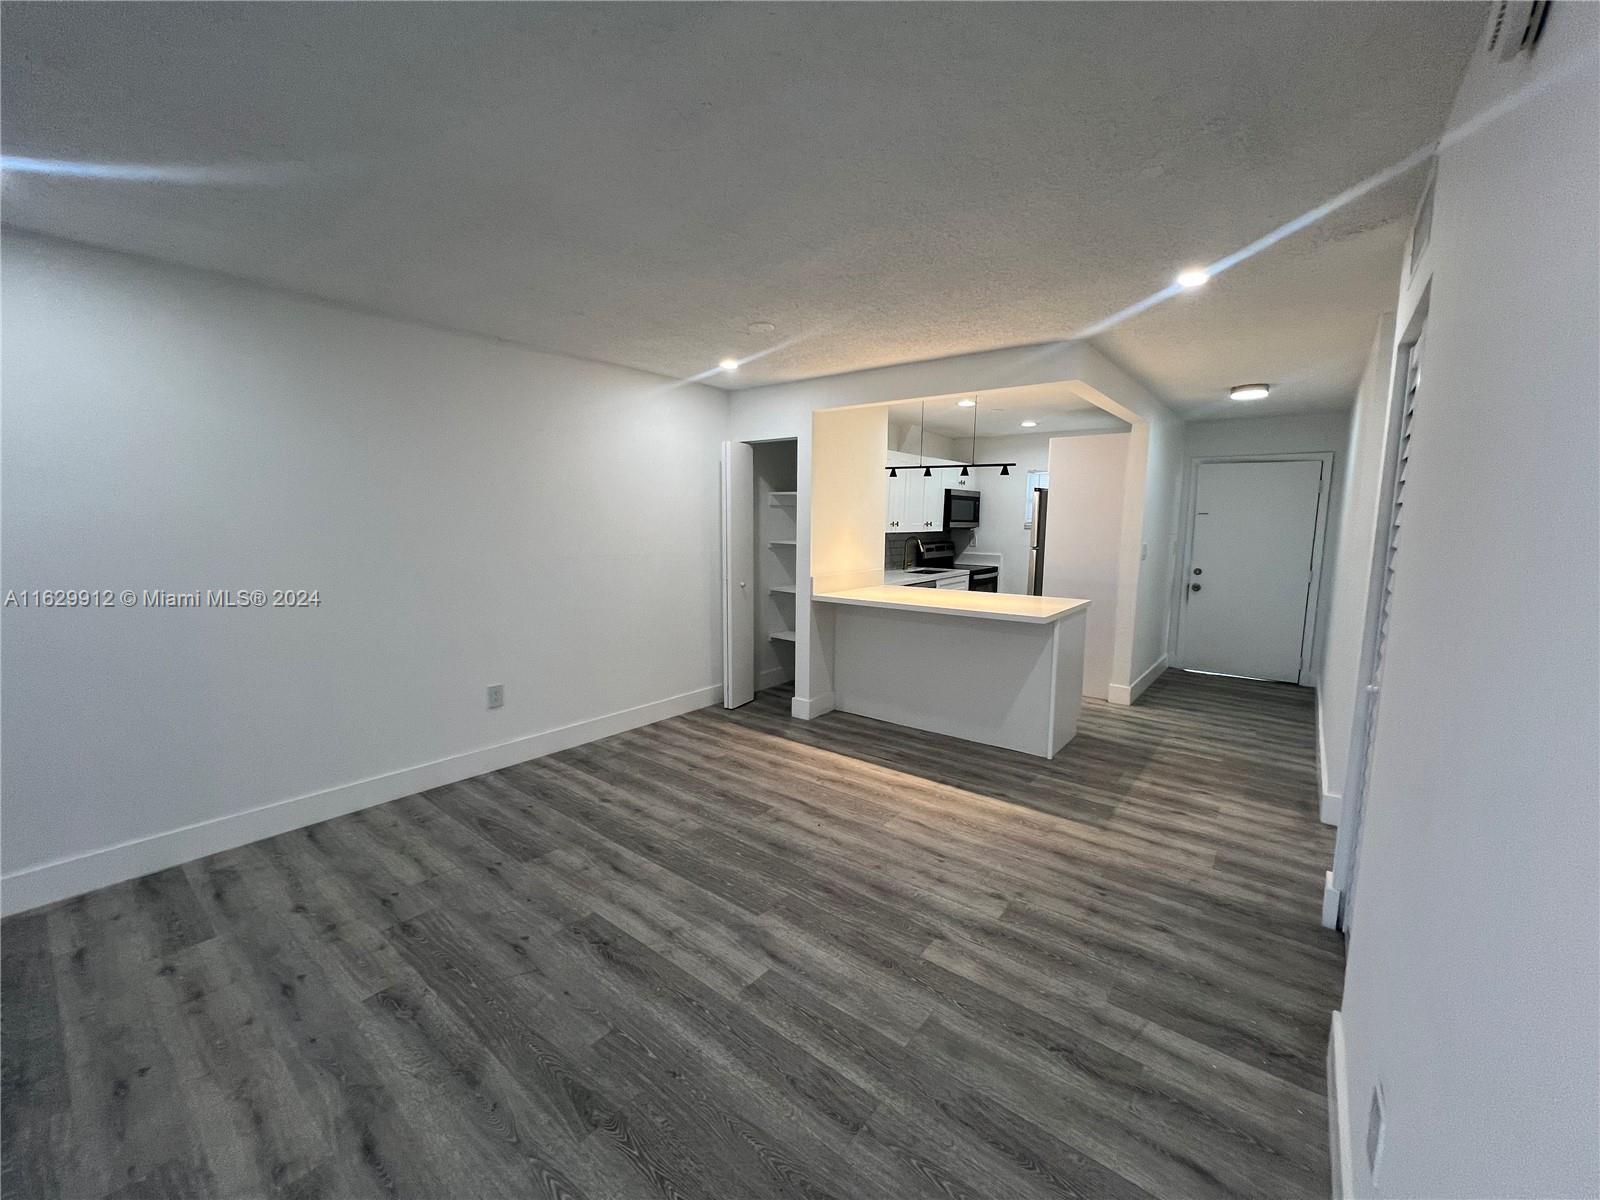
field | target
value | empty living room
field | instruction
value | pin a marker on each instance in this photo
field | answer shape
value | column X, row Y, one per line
column 725, row 600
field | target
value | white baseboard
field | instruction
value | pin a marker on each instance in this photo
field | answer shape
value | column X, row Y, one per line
column 772, row 677
column 45, row 883
column 1330, row 804
column 1117, row 693
column 1330, row 902
column 1342, row 1181
column 805, row 708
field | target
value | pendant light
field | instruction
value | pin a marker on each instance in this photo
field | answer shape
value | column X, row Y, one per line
column 922, row 436
column 967, row 467
column 973, row 457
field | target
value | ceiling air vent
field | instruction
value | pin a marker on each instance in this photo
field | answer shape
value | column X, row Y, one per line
column 1514, row 26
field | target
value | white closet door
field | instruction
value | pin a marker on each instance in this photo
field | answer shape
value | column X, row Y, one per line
column 1391, row 556
column 738, row 575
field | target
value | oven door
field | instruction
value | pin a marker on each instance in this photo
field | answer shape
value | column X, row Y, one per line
column 984, row 582
column 960, row 509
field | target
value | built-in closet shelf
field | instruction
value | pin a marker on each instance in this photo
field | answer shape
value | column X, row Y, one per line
column 783, row 635
column 786, row 588
column 782, row 542
column 785, row 498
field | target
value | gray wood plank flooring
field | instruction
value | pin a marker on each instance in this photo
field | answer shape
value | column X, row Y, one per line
column 729, row 955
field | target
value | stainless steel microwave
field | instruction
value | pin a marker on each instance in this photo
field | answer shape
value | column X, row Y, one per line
column 960, row 508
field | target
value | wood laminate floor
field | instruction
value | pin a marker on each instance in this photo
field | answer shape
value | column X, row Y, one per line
column 729, row 955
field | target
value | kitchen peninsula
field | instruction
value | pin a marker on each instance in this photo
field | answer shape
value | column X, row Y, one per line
column 1004, row 670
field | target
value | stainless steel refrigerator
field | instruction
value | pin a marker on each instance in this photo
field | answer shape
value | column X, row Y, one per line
column 1041, row 507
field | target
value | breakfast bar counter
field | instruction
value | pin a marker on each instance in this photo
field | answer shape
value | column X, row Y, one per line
column 1000, row 669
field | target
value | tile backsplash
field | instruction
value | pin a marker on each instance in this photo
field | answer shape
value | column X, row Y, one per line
column 896, row 553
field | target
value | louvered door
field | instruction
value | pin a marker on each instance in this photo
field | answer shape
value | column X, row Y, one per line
column 1385, row 601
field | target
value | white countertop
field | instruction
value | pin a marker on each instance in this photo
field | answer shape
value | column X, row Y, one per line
column 907, row 578
column 990, row 606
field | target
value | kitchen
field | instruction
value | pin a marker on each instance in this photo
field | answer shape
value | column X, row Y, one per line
column 967, row 479
column 926, row 532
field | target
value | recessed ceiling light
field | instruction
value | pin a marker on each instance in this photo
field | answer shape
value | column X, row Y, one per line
column 1250, row 391
column 1193, row 277
column 966, row 404
column 729, row 364
column 1030, row 424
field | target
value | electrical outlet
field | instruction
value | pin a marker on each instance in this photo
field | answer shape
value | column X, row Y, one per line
column 1375, row 1118
column 497, row 695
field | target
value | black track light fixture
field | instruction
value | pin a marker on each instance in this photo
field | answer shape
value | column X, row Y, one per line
column 966, row 468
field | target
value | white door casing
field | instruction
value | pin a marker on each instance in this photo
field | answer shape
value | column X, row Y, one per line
column 1364, row 730
column 738, row 575
column 1250, row 580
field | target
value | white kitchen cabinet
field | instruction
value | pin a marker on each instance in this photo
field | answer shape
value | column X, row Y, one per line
column 929, row 517
column 907, row 496
column 911, row 511
column 894, row 493
column 904, row 495
column 915, row 502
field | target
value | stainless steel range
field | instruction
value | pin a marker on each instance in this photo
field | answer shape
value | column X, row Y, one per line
column 927, row 552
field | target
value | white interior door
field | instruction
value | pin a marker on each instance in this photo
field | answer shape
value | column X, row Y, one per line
column 1347, row 852
column 738, row 575
column 1251, row 565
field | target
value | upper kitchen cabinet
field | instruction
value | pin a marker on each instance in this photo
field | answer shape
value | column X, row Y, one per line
column 915, row 502
column 901, row 504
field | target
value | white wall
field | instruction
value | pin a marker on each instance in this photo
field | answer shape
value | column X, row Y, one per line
column 1348, row 587
column 909, row 439
column 1473, row 979
column 848, row 505
column 1316, row 431
column 471, row 513
column 1083, row 540
column 1323, row 431
column 1151, row 542
column 1150, row 515
column 1005, row 496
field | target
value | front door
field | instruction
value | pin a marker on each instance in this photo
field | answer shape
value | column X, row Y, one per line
column 1248, row 589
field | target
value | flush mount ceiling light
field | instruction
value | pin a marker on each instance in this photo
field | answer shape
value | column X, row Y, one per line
column 1193, row 277
column 761, row 328
column 966, row 404
column 1250, row 391
column 1030, row 424
column 729, row 364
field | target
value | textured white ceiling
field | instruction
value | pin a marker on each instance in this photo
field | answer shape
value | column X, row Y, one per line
column 639, row 183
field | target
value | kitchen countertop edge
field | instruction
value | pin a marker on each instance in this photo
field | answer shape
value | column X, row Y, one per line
column 984, row 606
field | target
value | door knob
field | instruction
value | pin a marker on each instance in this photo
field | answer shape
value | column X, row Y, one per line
column 1194, row 587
